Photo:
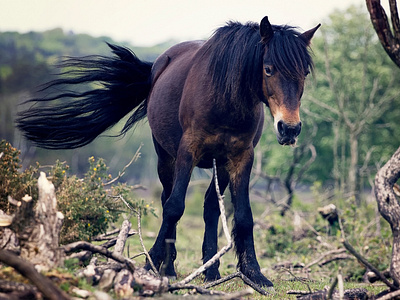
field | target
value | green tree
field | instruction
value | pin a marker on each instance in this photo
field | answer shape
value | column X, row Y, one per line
column 355, row 86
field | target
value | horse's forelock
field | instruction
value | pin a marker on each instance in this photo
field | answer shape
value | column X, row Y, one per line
column 288, row 53
column 235, row 58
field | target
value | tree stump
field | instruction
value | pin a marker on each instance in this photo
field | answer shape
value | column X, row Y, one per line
column 389, row 207
column 37, row 229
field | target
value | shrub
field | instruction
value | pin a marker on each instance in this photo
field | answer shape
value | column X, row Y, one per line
column 12, row 182
column 88, row 207
column 88, row 210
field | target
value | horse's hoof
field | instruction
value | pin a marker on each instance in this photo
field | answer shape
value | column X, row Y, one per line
column 211, row 275
column 258, row 278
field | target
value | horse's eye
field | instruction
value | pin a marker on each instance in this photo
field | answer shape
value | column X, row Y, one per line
column 268, row 71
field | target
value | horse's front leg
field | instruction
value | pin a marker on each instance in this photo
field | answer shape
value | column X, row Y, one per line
column 211, row 215
column 239, row 168
column 173, row 207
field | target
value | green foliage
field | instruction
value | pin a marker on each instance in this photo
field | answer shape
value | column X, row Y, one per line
column 88, row 210
column 12, row 182
column 88, row 207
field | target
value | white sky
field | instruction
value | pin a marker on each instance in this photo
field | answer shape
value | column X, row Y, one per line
column 147, row 22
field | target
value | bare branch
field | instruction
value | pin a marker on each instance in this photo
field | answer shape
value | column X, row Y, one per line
column 120, row 174
column 98, row 249
column 368, row 265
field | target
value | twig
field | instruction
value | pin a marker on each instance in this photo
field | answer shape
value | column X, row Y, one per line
column 106, row 236
column 153, row 267
column 368, row 265
column 199, row 289
column 226, row 232
column 314, row 262
column 121, row 173
column 137, row 255
column 101, row 250
column 221, row 280
column 26, row 269
column 334, row 258
column 298, row 279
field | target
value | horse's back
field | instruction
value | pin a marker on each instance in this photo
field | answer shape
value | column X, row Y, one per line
column 169, row 74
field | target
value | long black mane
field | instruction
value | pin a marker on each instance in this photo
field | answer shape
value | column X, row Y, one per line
column 237, row 54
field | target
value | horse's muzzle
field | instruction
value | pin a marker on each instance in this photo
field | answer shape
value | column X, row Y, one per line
column 287, row 134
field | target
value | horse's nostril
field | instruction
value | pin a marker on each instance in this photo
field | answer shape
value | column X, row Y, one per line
column 281, row 128
column 285, row 130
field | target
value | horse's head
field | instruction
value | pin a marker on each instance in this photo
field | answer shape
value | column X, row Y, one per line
column 286, row 64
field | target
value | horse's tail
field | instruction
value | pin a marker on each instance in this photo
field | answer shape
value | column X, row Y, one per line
column 70, row 119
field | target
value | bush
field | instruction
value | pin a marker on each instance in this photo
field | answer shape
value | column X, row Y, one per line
column 88, row 210
column 88, row 207
column 12, row 182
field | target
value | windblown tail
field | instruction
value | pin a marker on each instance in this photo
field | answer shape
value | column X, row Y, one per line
column 71, row 119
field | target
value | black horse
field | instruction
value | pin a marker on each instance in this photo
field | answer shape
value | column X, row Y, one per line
column 203, row 100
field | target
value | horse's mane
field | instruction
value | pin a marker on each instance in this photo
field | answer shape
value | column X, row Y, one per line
column 236, row 59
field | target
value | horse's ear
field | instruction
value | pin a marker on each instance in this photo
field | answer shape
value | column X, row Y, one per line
column 266, row 30
column 307, row 36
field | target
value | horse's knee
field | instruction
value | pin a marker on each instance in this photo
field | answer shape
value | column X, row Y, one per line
column 173, row 210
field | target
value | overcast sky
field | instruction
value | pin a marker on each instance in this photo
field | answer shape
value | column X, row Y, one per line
column 146, row 22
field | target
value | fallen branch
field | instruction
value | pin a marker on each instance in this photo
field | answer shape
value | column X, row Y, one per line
column 122, row 236
column 323, row 256
column 389, row 296
column 368, row 265
column 101, row 250
column 240, row 275
column 335, row 258
column 26, row 269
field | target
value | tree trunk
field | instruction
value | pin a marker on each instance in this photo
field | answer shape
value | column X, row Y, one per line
column 38, row 228
column 353, row 168
column 389, row 207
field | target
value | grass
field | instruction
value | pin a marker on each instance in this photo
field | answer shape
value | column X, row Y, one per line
column 190, row 232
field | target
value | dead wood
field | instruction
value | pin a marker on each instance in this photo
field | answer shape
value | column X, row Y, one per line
column 389, row 208
column 99, row 249
column 372, row 277
column 335, row 258
column 123, row 283
column 34, row 231
column 240, row 275
column 122, row 236
column 26, row 269
column 324, row 256
column 362, row 260
column 352, row 294
column 329, row 213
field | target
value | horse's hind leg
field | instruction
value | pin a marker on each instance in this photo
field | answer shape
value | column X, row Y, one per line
column 173, row 207
column 165, row 170
column 211, row 215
